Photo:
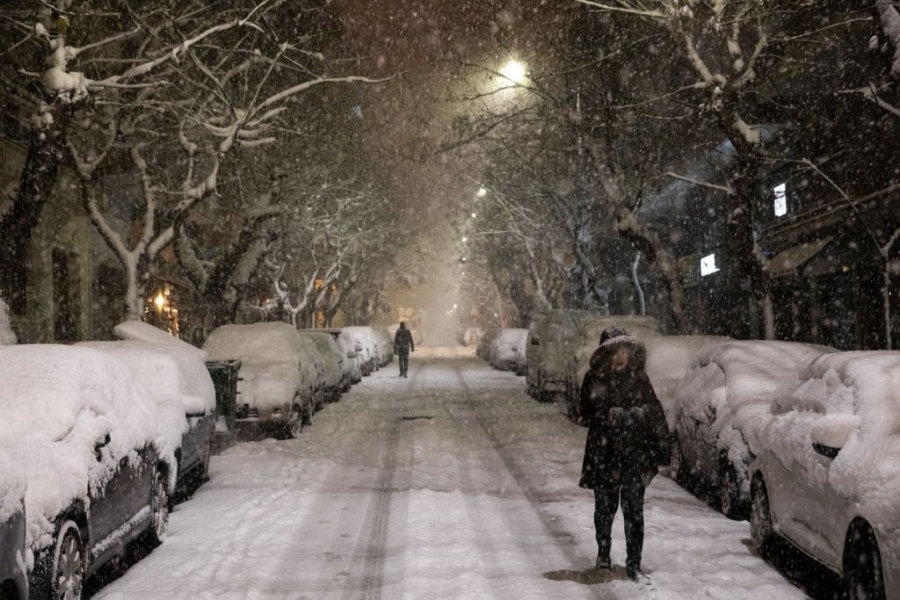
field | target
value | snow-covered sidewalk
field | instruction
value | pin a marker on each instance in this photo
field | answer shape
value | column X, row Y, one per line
column 449, row 484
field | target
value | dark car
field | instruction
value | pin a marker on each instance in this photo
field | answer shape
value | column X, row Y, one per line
column 90, row 440
column 176, row 377
column 13, row 575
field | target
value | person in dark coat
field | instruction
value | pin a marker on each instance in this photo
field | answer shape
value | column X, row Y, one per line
column 403, row 345
column 628, row 439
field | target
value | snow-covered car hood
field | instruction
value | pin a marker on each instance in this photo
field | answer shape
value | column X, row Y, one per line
column 57, row 403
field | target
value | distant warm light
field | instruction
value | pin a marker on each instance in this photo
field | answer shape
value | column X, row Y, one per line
column 473, row 215
column 514, row 71
column 159, row 301
column 481, row 193
column 465, row 239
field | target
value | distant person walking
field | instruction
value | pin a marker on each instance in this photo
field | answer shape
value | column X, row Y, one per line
column 628, row 439
column 403, row 345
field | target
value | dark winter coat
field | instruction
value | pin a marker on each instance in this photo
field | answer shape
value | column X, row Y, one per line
column 626, row 422
column 403, row 341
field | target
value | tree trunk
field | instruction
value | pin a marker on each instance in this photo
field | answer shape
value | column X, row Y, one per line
column 745, row 271
column 46, row 151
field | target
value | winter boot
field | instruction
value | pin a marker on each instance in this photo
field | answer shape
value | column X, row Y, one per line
column 633, row 572
column 603, row 562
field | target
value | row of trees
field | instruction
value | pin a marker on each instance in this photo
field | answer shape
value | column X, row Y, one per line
column 227, row 132
column 639, row 90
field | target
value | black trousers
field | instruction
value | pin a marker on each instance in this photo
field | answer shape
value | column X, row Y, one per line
column 403, row 357
column 606, row 503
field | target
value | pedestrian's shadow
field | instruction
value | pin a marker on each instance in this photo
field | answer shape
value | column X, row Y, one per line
column 590, row 576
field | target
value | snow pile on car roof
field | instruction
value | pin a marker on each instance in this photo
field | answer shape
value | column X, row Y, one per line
column 170, row 372
column 57, row 403
column 668, row 359
column 733, row 384
column 144, row 332
column 7, row 337
column 276, row 340
column 865, row 385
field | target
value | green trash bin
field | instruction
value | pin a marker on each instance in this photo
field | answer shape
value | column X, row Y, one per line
column 225, row 378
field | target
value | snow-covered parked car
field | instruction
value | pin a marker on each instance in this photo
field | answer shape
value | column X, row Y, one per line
column 13, row 564
column 827, row 472
column 333, row 360
column 89, row 438
column 366, row 345
column 720, row 405
column 386, row 344
column 550, row 347
column 317, row 370
column 352, row 360
column 180, row 385
column 507, row 349
column 275, row 396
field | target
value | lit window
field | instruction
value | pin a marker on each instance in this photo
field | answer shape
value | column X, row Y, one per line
column 708, row 265
column 780, row 202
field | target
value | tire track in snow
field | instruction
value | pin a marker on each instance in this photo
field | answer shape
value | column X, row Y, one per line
column 372, row 541
column 564, row 539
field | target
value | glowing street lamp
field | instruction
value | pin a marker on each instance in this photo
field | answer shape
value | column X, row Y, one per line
column 481, row 193
column 515, row 72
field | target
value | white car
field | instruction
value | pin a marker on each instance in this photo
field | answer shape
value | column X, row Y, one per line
column 352, row 361
column 275, row 396
column 181, row 387
column 366, row 344
column 827, row 474
column 718, row 408
column 506, row 348
column 333, row 360
column 549, row 350
column 96, row 457
column 317, row 372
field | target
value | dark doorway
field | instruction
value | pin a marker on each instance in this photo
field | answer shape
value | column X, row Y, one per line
column 65, row 297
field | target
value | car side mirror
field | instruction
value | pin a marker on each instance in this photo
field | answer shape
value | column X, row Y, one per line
column 99, row 445
column 826, row 451
column 830, row 433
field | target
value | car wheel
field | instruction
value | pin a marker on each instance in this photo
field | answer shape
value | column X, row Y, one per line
column 68, row 563
column 730, row 501
column 159, row 509
column 863, row 570
column 761, row 531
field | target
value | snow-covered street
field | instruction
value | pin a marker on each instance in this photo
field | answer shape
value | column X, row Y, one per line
column 449, row 484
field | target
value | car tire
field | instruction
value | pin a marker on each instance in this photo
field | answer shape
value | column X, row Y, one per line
column 159, row 509
column 762, row 531
column 731, row 503
column 863, row 570
column 69, row 565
